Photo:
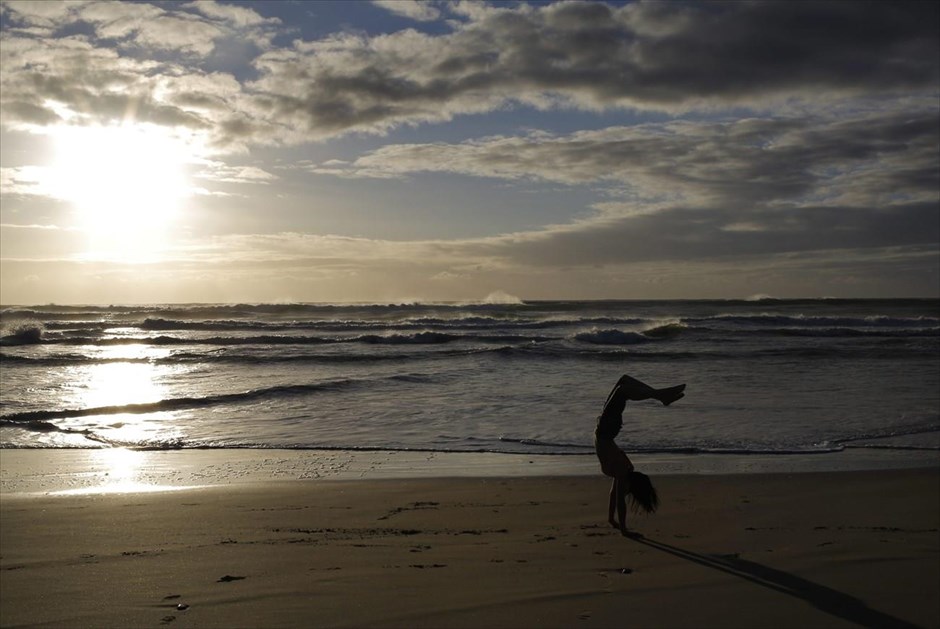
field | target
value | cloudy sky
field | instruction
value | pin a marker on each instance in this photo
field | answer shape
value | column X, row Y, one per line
column 396, row 151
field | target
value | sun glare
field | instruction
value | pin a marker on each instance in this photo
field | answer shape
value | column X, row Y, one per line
column 127, row 184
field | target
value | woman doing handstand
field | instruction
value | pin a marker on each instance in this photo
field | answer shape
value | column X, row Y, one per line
column 614, row 461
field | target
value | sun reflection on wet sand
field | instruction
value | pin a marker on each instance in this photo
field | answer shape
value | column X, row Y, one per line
column 118, row 471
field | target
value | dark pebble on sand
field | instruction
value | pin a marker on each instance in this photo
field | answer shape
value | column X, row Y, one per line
column 228, row 578
column 626, row 570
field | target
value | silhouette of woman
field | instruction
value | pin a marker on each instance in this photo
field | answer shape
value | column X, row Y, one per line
column 614, row 461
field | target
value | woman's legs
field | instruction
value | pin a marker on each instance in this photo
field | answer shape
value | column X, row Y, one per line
column 618, row 499
column 622, row 488
column 629, row 388
column 612, row 505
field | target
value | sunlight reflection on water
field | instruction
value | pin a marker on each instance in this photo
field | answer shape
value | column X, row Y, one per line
column 111, row 385
column 117, row 384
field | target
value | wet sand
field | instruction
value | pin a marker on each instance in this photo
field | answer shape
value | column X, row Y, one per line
column 837, row 549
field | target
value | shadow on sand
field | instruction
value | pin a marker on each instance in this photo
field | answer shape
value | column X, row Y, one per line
column 819, row 596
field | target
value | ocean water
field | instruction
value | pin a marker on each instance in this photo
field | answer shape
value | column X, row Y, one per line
column 767, row 377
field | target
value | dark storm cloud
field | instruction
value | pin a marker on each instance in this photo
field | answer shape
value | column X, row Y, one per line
column 666, row 56
column 741, row 48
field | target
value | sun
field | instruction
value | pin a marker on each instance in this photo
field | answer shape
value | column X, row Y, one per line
column 127, row 184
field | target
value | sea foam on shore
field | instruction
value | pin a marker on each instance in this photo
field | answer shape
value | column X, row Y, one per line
column 117, row 470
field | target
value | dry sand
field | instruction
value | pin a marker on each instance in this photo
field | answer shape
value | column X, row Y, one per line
column 781, row 550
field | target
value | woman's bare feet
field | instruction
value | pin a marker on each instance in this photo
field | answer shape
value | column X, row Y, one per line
column 670, row 395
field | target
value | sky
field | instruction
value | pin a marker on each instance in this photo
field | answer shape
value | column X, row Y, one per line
column 392, row 152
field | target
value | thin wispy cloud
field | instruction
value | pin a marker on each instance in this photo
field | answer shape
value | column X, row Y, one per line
column 715, row 162
column 420, row 10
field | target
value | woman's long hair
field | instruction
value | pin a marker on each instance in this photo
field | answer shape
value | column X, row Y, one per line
column 643, row 496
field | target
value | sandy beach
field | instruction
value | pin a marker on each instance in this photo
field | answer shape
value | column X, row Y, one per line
column 836, row 549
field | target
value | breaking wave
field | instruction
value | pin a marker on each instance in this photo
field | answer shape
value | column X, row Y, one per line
column 628, row 337
column 39, row 420
column 23, row 334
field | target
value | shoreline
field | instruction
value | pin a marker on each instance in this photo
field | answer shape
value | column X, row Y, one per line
column 117, row 470
column 834, row 549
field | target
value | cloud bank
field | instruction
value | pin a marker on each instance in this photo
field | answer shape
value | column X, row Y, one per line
column 590, row 56
column 775, row 137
